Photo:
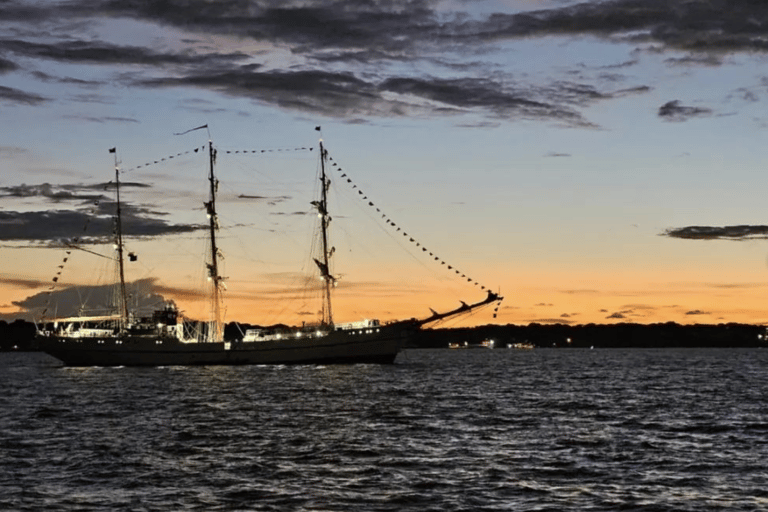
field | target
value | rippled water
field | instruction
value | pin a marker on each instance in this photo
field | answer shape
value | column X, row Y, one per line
column 440, row 430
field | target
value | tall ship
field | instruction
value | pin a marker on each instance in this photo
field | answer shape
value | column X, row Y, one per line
column 163, row 338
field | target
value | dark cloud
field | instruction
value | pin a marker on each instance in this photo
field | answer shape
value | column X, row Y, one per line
column 67, row 301
column 92, row 219
column 344, row 94
column 718, row 233
column 493, row 97
column 68, row 225
column 327, row 32
column 696, row 312
column 7, row 66
column 17, row 11
column 395, row 28
column 11, row 95
column 90, row 52
column 716, row 26
column 390, row 26
column 335, row 94
column 48, row 191
column 674, row 111
column 616, row 315
column 334, row 33
column 65, row 192
column 697, row 59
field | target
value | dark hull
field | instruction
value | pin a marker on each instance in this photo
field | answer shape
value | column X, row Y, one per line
column 339, row 347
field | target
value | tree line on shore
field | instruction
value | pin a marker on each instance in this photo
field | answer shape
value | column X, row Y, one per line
column 621, row 335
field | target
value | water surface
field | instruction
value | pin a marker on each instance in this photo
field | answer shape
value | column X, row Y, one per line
column 442, row 430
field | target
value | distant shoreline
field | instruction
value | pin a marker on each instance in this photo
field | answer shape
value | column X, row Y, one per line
column 622, row 335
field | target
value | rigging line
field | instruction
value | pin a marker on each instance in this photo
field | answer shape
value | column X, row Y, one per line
column 72, row 246
column 199, row 149
column 259, row 151
column 90, row 213
column 389, row 222
column 367, row 213
column 389, row 234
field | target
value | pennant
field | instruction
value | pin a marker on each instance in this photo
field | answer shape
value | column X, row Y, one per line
column 192, row 130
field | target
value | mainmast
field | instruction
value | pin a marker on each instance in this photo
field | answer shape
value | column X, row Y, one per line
column 215, row 330
column 324, row 262
column 122, row 302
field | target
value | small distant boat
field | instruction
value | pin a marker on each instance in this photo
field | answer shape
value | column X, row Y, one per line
column 521, row 346
column 162, row 338
column 467, row 345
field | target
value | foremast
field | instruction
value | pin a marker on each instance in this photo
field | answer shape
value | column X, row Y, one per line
column 215, row 330
column 122, row 296
column 324, row 261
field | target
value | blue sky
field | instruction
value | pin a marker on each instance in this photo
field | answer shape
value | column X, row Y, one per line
column 590, row 160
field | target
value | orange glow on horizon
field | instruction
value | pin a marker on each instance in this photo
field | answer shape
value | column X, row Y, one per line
column 543, row 294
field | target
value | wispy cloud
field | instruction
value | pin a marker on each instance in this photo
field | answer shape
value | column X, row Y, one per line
column 12, row 150
column 743, row 232
column 11, row 95
column 46, row 77
column 580, row 292
column 103, row 119
column 674, row 111
column 21, row 282
column 549, row 321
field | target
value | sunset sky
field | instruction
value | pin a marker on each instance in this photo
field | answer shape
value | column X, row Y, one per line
column 591, row 161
